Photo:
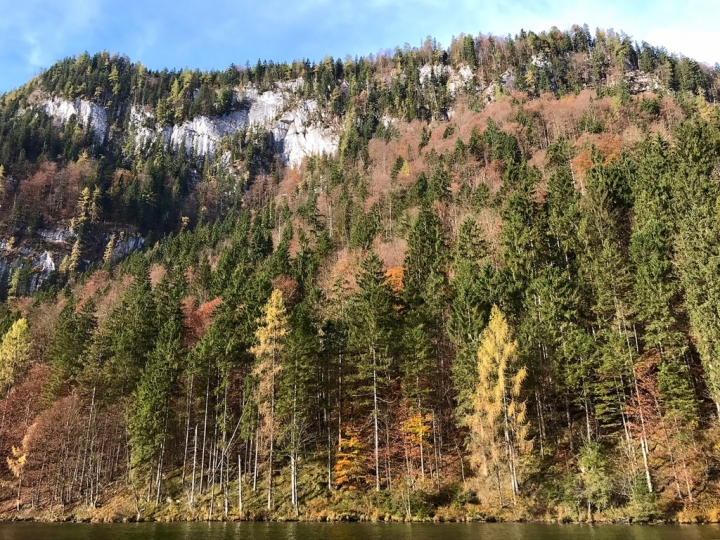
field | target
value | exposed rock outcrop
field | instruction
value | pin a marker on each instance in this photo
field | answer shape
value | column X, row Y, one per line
column 639, row 82
column 456, row 78
column 299, row 127
column 88, row 114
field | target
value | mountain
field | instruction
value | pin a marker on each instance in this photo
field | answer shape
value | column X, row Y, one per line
column 462, row 283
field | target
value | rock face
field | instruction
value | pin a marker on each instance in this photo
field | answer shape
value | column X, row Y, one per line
column 38, row 265
column 37, row 258
column 125, row 245
column 299, row 128
column 507, row 81
column 202, row 134
column 300, row 132
column 639, row 82
column 88, row 114
column 540, row 60
column 456, row 78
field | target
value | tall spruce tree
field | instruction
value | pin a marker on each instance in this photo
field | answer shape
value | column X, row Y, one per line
column 372, row 326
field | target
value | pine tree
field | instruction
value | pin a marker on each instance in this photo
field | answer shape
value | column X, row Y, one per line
column 297, row 387
column 94, row 208
column 75, row 256
column 109, row 250
column 471, row 290
column 425, row 253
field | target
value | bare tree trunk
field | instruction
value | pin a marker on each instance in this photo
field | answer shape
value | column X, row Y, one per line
column 240, row 486
column 329, row 450
column 685, row 471
column 462, row 465
column 435, row 448
column 388, row 469
column 192, row 487
column 375, row 423
column 162, row 455
column 187, row 428
column 202, row 459
column 422, row 462
column 255, row 470
column 227, row 481
column 643, row 438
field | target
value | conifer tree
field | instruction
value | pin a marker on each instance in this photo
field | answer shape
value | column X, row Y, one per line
column 72, row 336
column 499, row 425
column 131, row 332
column 270, row 352
column 109, row 250
column 425, row 253
column 470, row 287
column 371, row 330
column 296, row 389
column 14, row 354
column 150, row 416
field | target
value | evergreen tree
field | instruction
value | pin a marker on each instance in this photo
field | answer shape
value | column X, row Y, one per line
column 371, row 326
column 72, row 336
column 151, row 414
column 131, row 333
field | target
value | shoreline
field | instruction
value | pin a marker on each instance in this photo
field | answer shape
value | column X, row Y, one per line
column 74, row 519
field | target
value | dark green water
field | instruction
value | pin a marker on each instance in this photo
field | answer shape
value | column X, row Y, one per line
column 352, row 531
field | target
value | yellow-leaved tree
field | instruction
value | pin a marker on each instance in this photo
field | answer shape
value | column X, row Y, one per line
column 499, row 424
column 270, row 350
column 14, row 354
column 418, row 428
column 349, row 470
column 16, row 464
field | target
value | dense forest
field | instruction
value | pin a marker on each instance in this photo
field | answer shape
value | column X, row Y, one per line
column 500, row 299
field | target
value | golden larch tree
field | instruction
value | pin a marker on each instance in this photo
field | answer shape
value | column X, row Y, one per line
column 270, row 349
column 14, row 354
column 499, row 423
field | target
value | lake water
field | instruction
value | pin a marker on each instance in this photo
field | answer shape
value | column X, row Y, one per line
column 352, row 531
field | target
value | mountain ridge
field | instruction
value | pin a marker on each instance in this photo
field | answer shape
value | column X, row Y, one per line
column 494, row 298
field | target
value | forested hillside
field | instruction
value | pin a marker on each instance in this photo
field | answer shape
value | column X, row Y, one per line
column 473, row 282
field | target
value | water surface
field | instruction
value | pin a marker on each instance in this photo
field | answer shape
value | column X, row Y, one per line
column 352, row 531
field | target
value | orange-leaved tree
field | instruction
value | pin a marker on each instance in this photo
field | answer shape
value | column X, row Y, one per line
column 349, row 469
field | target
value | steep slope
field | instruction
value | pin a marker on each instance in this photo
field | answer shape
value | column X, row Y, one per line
column 465, row 283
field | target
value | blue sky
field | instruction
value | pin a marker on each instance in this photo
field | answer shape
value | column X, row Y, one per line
column 215, row 33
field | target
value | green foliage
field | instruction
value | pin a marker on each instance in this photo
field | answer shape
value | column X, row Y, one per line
column 258, row 344
column 73, row 333
column 595, row 478
column 14, row 354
